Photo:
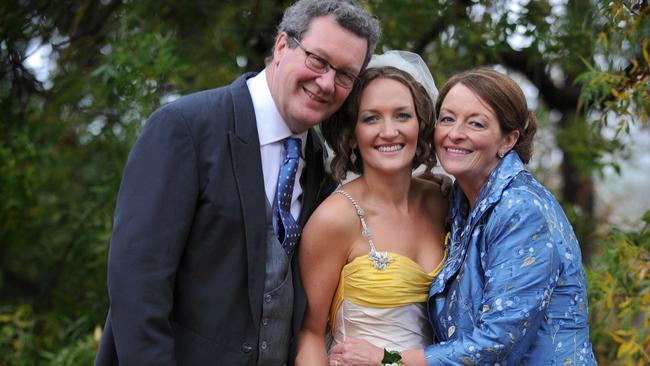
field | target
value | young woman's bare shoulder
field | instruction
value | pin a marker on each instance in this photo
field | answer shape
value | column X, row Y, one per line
column 335, row 217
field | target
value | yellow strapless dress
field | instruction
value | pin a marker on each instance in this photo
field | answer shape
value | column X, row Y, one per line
column 386, row 307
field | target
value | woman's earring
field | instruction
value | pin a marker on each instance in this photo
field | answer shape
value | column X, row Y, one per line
column 353, row 156
column 500, row 155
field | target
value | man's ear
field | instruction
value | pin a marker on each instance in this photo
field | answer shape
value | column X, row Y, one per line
column 280, row 47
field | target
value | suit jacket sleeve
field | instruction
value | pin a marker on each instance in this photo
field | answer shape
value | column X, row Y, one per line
column 154, row 214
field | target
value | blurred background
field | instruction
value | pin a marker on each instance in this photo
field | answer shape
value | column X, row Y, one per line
column 79, row 78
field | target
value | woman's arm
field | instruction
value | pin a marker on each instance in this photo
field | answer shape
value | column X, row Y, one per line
column 324, row 247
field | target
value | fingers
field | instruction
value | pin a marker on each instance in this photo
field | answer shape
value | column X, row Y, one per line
column 338, row 348
column 336, row 359
column 336, row 354
column 445, row 184
column 430, row 176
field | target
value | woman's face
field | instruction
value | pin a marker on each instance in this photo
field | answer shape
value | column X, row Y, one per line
column 468, row 137
column 387, row 128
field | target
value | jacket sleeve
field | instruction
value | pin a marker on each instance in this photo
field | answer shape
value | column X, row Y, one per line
column 154, row 214
column 520, row 266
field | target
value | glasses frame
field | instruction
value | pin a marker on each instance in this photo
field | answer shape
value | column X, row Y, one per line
column 326, row 68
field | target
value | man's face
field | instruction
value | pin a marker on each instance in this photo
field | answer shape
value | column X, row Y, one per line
column 304, row 97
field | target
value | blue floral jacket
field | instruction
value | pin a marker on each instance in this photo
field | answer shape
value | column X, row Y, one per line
column 512, row 290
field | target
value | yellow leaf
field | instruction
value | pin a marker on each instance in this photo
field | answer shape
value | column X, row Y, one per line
column 625, row 303
column 529, row 261
column 646, row 297
column 466, row 361
column 610, row 300
column 646, row 55
column 623, row 332
column 624, row 349
column 617, row 338
column 602, row 37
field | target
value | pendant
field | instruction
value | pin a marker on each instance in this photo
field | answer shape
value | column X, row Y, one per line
column 380, row 260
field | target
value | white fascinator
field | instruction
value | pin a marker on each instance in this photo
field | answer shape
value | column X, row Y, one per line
column 408, row 62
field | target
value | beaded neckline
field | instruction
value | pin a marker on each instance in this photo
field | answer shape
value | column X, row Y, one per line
column 380, row 260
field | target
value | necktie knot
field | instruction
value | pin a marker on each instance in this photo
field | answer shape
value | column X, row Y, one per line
column 292, row 145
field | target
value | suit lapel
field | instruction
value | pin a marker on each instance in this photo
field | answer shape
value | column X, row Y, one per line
column 247, row 166
column 312, row 176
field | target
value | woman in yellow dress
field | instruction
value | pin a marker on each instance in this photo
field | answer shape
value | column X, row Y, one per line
column 370, row 251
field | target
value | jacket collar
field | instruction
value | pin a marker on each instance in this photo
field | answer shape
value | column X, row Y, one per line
column 462, row 219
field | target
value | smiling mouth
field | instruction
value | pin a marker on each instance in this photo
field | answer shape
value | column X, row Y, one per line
column 457, row 150
column 390, row 148
column 313, row 96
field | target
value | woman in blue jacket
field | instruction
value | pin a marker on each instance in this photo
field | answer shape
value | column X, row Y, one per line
column 513, row 290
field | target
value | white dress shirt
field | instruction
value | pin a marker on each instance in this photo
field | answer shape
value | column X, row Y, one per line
column 272, row 131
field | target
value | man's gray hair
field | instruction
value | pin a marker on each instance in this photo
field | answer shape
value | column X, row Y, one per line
column 348, row 14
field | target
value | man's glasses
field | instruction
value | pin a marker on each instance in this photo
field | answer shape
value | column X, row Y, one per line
column 318, row 64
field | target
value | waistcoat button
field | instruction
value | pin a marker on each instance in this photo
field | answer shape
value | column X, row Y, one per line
column 246, row 348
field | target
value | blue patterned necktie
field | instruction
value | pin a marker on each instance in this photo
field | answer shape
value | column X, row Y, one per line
column 286, row 227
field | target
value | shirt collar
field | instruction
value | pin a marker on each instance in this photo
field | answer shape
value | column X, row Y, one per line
column 271, row 127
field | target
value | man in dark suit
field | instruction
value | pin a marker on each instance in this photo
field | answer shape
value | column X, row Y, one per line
column 202, row 263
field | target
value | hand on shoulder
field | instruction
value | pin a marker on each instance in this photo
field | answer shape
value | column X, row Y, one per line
column 434, row 195
column 439, row 181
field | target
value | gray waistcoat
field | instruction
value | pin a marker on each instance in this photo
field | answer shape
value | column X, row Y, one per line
column 277, row 304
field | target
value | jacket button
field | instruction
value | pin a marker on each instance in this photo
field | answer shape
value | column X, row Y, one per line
column 268, row 298
column 246, row 348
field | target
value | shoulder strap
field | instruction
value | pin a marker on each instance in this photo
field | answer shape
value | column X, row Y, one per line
column 365, row 231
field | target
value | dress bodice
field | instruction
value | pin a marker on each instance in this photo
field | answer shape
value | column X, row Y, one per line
column 381, row 298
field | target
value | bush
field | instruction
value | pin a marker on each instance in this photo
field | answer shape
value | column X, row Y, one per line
column 619, row 297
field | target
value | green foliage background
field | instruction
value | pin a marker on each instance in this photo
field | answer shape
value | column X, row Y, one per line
column 64, row 139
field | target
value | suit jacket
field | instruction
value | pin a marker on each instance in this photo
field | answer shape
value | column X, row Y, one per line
column 186, row 264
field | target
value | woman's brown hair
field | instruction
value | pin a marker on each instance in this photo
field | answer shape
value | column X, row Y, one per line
column 507, row 101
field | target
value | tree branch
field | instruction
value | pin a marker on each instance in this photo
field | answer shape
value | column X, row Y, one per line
column 458, row 11
column 563, row 99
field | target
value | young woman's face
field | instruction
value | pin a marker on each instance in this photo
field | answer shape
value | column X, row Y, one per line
column 387, row 128
column 468, row 136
